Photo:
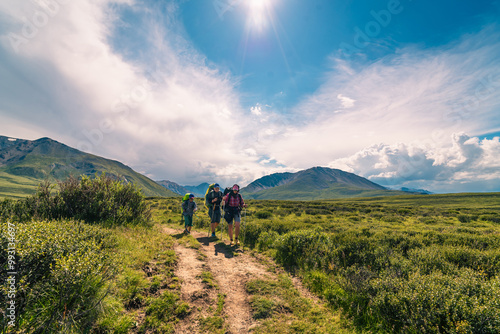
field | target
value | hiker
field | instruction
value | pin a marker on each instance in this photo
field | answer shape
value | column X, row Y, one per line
column 214, row 199
column 233, row 203
column 188, row 209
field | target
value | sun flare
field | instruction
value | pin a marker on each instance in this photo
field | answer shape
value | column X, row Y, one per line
column 257, row 4
column 258, row 13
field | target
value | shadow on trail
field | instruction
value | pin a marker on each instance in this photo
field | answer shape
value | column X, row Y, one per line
column 178, row 235
column 220, row 247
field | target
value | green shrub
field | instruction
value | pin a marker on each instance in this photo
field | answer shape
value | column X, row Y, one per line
column 438, row 303
column 61, row 269
column 99, row 200
column 399, row 280
column 464, row 218
column 263, row 214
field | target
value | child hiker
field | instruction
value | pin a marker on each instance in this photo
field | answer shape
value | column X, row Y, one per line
column 188, row 209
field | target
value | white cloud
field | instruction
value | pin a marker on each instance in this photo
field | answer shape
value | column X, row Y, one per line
column 465, row 160
column 168, row 111
column 170, row 116
column 257, row 110
column 414, row 95
column 346, row 101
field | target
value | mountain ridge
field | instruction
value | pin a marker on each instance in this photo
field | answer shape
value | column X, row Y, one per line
column 314, row 183
column 25, row 163
column 172, row 186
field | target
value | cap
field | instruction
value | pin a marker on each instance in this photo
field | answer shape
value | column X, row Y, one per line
column 236, row 187
column 191, row 196
column 216, row 185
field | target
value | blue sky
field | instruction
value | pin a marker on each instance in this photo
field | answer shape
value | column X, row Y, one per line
column 405, row 93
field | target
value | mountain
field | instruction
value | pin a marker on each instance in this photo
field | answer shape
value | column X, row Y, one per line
column 26, row 163
column 416, row 191
column 198, row 190
column 173, row 187
column 314, row 183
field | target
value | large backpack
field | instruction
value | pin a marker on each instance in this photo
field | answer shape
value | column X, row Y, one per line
column 209, row 189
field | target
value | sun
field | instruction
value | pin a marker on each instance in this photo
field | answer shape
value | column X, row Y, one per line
column 257, row 4
column 258, row 14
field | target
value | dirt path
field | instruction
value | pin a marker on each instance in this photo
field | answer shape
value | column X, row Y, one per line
column 230, row 269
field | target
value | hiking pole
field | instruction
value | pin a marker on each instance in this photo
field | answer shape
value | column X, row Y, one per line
column 244, row 229
column 210, row 223
column 222, row 223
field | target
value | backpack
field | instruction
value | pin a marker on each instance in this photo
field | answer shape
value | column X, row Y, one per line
column 229, row 192
column 210, row 188
column 186, row 197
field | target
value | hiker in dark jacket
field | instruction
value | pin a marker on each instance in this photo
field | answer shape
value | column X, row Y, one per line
column 188, row 209
column 233, row 203
column 214, row 199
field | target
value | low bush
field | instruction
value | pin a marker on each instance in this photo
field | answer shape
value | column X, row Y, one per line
column 263, row 214
column 402, row 282
column 62, row 268
column 99, row 200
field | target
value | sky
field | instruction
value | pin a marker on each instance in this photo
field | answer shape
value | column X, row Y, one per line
column 403, row 92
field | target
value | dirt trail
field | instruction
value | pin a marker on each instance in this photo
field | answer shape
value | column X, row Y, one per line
column 230, row 271
column 189, row 267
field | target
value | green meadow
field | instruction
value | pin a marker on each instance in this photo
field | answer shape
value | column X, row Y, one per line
column 398, row 264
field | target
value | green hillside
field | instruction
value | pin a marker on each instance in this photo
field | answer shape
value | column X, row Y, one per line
column 305, row 193
column 24, row 164
column 314, row 184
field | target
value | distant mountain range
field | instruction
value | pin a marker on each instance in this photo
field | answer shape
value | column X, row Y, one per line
column 314, row 183
column 26, row 163
column 172, row 186
column 198, row 190
column 416, row 191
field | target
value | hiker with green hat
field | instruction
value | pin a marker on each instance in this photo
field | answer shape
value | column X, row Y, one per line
column 233, row 204
column 188, row 209
column 214, row 199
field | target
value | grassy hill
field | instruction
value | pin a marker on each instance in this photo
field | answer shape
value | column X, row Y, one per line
column 25, row 163
column 313, row 184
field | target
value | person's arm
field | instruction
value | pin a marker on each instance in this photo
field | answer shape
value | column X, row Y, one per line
column 243, row 205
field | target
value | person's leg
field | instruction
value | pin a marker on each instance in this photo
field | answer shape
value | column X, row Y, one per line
column 211, row 215
column 237, row 219
column 216, row 216
column 230, row 231
column 186, row 223
column 190, row 224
